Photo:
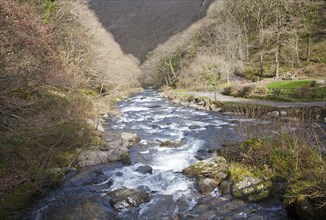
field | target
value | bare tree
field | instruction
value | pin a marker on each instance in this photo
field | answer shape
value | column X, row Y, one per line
column 260, row 12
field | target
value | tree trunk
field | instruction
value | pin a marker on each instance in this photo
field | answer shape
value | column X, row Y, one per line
column 277, row 55
column 261, row 42
column 308, row 47
column 297, row 47
column 247, row 42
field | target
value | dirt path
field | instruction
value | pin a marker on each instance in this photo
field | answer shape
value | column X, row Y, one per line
column 223, row 98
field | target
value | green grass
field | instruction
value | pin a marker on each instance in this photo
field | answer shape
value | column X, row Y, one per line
column 289, row 84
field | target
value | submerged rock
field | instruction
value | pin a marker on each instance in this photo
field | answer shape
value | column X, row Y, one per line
column 169, row 144
column 194, row 127
column 215, row 168
column 126, row 198
column 251, row 188
column 155, row 106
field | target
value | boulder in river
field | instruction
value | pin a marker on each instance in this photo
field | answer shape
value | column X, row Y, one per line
column 215, row 168
column 126, row 198
column 144, row 169
column 251, row 188
column 207, row 185
column 129, row 138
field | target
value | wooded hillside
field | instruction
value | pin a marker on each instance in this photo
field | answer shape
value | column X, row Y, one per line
column 254, row 39
column 57, row 65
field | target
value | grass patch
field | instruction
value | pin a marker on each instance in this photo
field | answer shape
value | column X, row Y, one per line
column 289, row 84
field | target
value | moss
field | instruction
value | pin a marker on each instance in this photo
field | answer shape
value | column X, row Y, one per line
column 239, row 172
column 258, row 197
column 254, row 144
column 89, row 92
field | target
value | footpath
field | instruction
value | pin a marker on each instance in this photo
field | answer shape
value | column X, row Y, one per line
column 224, row 98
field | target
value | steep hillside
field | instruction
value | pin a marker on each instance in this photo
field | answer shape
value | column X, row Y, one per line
column 248, row 38
column 139, row 26
column 58, row 68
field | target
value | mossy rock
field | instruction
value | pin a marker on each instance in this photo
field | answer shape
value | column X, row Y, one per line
column 215, row 168
column 251, row 188
column 247, row 185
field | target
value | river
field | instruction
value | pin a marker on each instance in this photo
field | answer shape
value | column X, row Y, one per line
column 156, row 120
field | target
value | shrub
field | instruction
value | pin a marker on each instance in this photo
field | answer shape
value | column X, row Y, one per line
column 291, row 157
column 304, row 92
column 248, row 91
column 262, row 90
column 231, row 90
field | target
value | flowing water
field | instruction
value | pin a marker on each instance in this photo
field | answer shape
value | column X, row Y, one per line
column 172, row 195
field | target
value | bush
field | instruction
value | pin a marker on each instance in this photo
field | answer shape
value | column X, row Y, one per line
column 291, row 157
column 248, row 91
column 262, row 90
column 304, row 92
column 231, row 90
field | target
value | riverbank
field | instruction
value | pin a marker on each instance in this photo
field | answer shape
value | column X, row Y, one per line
column 313, row 111
column 271, row 148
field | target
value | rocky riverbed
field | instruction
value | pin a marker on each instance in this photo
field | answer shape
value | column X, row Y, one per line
column 169, row 169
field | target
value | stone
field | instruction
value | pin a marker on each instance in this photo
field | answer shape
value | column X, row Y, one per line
column 92, row 157
column 169, row 144
column 125, row 159
column 155, row 106
column 215, row 109
column 155, row 127
column 283, row 113
column 193, row 105
column 115, row 154
column 251, row 188
column 90, row 208
column 129, row 138
column 201, row 103
column 207, row 185
column 127, row 198
column 225, row 187
column 194, row 127
column 274, row 114
column 215, row 168
column 176, row 101
column 96, row 125
column 105, row 153
column 145, row 169
column 203, row 154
